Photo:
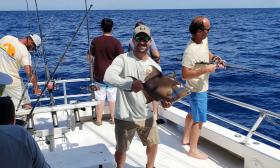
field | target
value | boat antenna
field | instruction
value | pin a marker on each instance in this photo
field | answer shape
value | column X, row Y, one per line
column 29, row 116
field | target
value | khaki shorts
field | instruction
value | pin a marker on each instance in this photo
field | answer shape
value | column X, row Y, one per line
column 147, row 131
column 15, row 92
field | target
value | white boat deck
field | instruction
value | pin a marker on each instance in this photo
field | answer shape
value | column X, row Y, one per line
column 170, row 152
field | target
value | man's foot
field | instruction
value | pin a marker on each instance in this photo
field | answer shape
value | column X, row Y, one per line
column 185, row 141
column 198, row 155
column 160, row 121
column 27, row 106
column 112, row 121
column 98, row 123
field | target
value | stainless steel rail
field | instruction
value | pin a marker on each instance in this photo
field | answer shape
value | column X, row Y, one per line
column 251, row 131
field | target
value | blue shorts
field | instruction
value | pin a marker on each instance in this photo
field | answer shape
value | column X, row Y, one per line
column 198, row 104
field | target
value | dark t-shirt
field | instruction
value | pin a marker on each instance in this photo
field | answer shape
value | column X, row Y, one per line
column 18, row 149
column 104, row 49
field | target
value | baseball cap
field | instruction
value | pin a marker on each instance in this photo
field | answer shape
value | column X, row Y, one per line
column 142, row 29
column 36, row 39
column 5, row 79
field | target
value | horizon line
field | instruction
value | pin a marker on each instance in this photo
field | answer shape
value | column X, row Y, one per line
column 145, row 9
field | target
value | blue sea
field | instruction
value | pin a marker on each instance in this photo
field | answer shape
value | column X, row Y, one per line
column 249, row 38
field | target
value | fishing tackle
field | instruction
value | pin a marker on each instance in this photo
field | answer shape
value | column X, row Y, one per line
column 59, row 62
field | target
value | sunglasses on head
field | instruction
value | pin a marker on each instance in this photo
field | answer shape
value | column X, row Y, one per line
column 139, row 38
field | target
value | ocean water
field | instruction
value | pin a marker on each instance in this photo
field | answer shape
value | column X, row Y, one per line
column 249, row 38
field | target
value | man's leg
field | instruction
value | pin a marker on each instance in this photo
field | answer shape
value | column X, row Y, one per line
column 120, row 159
column 99, row 110
column 194, row 136
column 151, row 152
column 111, row 96
column 155, row 107
column 112, row 110
column 26, row 103
column 187, row 130
column 100, row 95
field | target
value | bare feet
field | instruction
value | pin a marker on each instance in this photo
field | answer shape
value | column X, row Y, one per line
column 198, row 155
column 185, row 141
column 112, row 121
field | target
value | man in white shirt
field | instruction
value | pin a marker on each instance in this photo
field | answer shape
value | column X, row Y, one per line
column 14, row 54
column 127, row 72
column 196, row 69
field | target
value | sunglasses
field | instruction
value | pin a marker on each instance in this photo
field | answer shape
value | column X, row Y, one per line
column 144, row 38
column 207, row 29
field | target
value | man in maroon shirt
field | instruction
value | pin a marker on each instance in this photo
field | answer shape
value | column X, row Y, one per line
column 104, row 49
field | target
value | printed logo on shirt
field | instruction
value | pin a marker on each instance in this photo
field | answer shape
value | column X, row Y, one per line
column 149, row 70
column 9, row 48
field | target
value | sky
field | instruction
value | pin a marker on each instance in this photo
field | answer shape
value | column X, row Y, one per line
column 12, row 5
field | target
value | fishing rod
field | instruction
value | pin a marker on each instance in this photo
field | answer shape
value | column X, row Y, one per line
column 273, row 75
column 59, row 62
column 27, row 14
column 90, row 58
column 269, row 74
column 36, row 61
column 47, row 72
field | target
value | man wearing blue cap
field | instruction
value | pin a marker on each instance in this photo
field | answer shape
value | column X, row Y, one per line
column 14, row 54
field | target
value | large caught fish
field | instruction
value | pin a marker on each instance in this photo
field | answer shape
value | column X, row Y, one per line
column 160, row 87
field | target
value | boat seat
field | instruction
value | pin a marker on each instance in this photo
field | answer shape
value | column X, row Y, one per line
column 83, row 157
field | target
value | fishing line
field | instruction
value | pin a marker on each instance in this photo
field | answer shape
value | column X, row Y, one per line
column 59, row 62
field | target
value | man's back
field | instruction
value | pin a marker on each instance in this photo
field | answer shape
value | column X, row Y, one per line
column 13, row 55
column 18, row 149
column 104, row 49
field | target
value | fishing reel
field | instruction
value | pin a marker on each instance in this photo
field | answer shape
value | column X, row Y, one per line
column 51, row 86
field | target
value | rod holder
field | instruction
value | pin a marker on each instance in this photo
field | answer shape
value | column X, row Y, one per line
column 54, row 119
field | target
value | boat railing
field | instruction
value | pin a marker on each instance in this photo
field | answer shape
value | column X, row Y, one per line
column 251, row 131
column 263, row 113
column 65, row 96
